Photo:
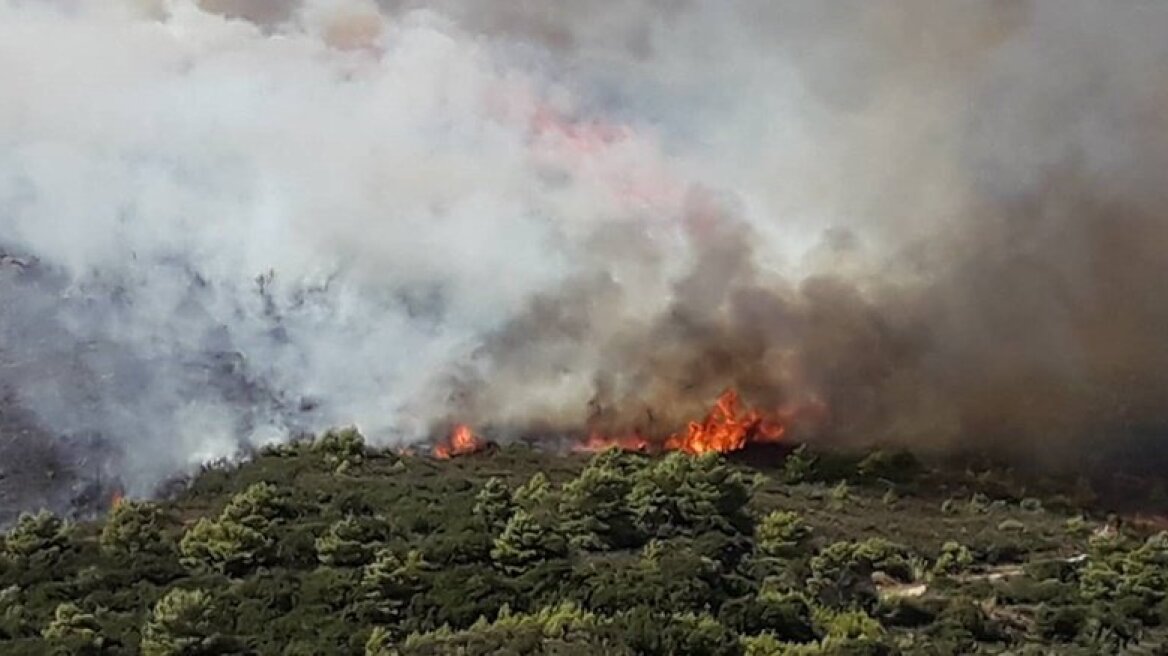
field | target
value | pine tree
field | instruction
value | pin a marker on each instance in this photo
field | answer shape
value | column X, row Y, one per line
column 186, row 623
column 224, row 546
column 135, row 527
column 526, row 541
column 494, row 504
column 75, row 632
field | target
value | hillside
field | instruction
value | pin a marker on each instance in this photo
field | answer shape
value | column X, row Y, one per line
column 330, row 547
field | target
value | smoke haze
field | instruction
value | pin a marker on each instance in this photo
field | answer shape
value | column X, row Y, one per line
column 225, row 221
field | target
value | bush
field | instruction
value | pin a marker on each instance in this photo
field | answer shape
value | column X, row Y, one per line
column 342, row 449
column 526, row 541
column 186, row 622
column 389, row 583
column 687, row 495
column 135, row 527
column 954, row 559
column 563, row 630
column 799, row 466
column 75, row 632
column 43, row 535
column 494, row 504
column 225, row 547
column 259, row 507
column 1061, row 623
column 781, row 534
column 595, row 505
column 351, row 542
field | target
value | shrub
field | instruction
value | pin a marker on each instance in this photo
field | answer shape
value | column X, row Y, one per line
column 536, row 494
column 135, row 527
column 1061, row 623
column 342, row 449
column 595, row 505
column 186, row 622
column 799, row 466
column 224, row 546
column 955, row 558
column 494, row 504
column 258, row 507
column 350, row 541
column 526, row 541
column 686, row 495
column 563, row 630
column 43, row 535
column 73, row 631
column 389, row 583
column 781, row 534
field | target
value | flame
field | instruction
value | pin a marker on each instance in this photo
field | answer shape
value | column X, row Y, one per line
column 462, row 441
column 116, row 499
column 724, row 429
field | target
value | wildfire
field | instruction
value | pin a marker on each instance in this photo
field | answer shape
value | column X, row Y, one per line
column 725, row 428
column 462, row 441
column 116, row 499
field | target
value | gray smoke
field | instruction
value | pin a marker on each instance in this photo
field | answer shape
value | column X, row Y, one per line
column 226, row 221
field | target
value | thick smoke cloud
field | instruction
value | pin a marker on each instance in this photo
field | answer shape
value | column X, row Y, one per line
column 228, row 220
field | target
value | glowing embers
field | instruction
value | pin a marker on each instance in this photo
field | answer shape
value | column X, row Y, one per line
column 461, row 441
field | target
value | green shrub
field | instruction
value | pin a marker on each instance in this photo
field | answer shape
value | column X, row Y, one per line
column 43, row 535
column 224, row 546
column 186, row 622
column 342, row 449
column 686, row 495
column 955, row 558
column 73, row 631
column 494, row 504
column 136, row 527
column 526, row 541
column 781, row 534
column 351, row 541
column 799, row 466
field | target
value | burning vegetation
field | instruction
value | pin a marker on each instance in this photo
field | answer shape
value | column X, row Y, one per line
column 726, row 427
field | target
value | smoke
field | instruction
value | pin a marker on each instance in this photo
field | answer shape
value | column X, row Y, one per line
column 225, row 221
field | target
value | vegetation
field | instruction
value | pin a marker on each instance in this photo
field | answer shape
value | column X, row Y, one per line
column 331, row 547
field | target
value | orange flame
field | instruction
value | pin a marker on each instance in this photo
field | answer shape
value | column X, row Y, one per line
column 724, row 429
column 116, row 499
column 462, row 441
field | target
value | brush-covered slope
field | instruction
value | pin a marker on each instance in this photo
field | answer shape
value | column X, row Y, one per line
column 333, row 548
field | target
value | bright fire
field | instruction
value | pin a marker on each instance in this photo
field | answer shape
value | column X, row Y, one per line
column 116, row 499
column 725, row 428
column 462, row 441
